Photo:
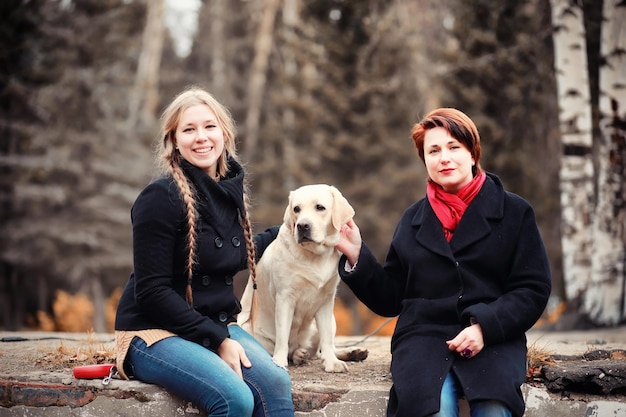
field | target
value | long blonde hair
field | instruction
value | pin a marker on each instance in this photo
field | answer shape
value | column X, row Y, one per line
column 169, row 160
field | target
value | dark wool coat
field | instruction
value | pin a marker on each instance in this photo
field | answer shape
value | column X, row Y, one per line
column 154, row 297
column 495, row 269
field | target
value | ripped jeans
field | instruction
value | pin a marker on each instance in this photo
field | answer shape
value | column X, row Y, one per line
column 200, row 376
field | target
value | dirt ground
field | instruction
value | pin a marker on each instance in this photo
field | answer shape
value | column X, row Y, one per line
column 21, row 353
column 60, row 352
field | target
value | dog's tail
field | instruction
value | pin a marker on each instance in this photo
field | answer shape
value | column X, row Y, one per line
column 252, row 306
column 247, row 228
column 248, row 304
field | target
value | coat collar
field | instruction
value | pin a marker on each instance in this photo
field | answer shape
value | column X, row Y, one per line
column 218, row 202
column 474, row 225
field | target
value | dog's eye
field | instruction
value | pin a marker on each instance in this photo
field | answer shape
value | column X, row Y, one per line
column 320, row 207
column 296, row 209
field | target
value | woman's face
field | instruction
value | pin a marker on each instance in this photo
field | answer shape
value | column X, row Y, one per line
column 199, row 138
column 448, row 161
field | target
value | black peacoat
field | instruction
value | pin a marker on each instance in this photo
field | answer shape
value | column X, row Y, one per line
column 154, row 297
column 495, row 269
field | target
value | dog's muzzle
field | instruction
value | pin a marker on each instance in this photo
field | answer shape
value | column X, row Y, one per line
column 304, row 232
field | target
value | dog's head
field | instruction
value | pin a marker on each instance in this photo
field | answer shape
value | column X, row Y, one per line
column 315, row 215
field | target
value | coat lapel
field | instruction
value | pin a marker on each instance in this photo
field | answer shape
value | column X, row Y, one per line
column 429, row 230
column 474, row 225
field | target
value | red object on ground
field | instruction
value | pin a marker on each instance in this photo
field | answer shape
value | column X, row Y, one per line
column 93, row 371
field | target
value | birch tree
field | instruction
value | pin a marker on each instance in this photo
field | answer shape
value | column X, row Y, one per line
column 605, row 299
column 576, row 170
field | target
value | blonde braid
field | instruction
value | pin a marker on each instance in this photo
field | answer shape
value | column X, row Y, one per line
column 169, row 161
column 247, row 230
column 190, row 202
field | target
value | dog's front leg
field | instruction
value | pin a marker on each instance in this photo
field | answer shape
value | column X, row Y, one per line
column 325, row 321
column 285, row 307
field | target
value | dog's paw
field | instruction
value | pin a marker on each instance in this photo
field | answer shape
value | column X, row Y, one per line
column 335, row 366
column 300, row 356
column 355, row 355
column 280, row 361
column 352, row 355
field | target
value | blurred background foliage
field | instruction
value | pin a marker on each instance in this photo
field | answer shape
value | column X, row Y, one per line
column 344, row 82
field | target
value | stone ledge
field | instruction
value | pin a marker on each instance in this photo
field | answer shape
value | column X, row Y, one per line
column 130, row 398
column 363, row 391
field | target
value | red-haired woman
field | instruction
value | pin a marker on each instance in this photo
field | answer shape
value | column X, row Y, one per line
column 467, row 275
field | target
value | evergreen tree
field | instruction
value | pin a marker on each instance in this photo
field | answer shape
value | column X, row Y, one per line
column 74, row 168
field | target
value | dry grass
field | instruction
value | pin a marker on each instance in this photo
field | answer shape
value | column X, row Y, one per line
column 89, row 352
column 537, row 358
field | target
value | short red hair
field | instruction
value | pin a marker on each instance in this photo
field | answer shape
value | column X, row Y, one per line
column 456, row 123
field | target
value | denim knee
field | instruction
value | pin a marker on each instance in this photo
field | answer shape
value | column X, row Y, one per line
column 194, row 374
column 239, row 404
column 489, row 408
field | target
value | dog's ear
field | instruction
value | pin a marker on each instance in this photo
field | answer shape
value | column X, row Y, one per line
column 288, row 219
column 342, row 210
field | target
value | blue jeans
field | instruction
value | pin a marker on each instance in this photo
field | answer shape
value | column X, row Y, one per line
column 200, row 376
column 451, row 392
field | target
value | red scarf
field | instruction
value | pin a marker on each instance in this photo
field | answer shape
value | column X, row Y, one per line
column 449, row 207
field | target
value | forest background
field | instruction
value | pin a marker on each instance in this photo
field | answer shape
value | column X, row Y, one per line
column 324, row 91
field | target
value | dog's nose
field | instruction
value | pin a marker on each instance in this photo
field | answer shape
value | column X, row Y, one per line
column 303, row 227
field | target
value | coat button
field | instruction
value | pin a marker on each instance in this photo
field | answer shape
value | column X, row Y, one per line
column 206, row 280
column 228, row 280
column 235, row 241
column 222, row 317
column 206, row 343
column 218, row 242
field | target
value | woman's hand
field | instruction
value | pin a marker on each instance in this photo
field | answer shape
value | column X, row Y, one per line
column 234, row 355
column 350, row 241
column 469, row 342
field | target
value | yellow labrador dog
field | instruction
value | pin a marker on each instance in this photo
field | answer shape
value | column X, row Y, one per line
column 297, row 280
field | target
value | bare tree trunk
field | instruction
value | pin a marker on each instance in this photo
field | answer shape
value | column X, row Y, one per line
column 576, row 171
column 144, row 97
column 290, row 68
column 219, row 77
column 605, row 299
column 258, row 75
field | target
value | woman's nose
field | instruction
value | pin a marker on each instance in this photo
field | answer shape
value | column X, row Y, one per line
column 202, row 134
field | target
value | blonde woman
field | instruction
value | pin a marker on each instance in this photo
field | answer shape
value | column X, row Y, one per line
column 175, row 324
